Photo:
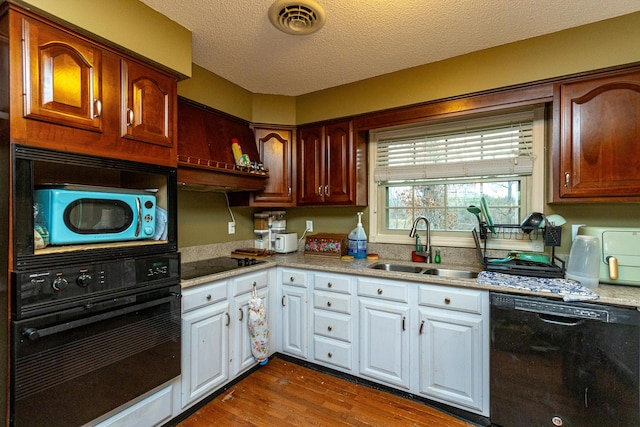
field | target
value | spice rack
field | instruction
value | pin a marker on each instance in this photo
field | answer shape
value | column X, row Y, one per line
column 552, row 237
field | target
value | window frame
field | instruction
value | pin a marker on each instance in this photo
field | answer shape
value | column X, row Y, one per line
column 534, row 184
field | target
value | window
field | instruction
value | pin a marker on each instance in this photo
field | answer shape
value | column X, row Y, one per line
column 438, row 169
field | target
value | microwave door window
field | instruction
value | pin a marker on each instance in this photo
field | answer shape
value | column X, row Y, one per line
column 92, row 216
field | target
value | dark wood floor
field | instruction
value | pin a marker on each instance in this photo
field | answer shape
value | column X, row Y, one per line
column 284, row 394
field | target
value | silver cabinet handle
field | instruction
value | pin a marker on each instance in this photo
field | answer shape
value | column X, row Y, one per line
column 326, row 190
column 130, row 117
column 97, row 104
column 320, row 191
column 567, row 179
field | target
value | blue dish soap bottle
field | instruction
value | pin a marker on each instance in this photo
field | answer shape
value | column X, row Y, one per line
column 358, row 240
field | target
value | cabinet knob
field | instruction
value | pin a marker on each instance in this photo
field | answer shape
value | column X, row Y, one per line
column 130, row 117
column 330, row 355
column 329, row 285
column 291, row 279
column 379, row 291
column 447, row 301
column 208, row 297
column 328, row 303
column 329, row 328
column 97, row 104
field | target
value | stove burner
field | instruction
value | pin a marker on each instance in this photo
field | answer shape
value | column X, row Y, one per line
column 206, row 267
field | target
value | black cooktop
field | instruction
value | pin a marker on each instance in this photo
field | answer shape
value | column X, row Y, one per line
column 206, row 267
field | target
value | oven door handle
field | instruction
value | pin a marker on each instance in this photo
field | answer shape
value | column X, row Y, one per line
column 34, row 334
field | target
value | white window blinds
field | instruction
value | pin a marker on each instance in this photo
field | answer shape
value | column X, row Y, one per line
column 473, row 148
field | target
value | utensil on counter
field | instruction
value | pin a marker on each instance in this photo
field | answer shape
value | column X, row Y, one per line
column 476, row 211
column 476, row 240
column 487, row 216
column 533, row 221
column 523, row 256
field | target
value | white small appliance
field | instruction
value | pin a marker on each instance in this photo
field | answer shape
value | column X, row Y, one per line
column 620, row 254
column 286, row 242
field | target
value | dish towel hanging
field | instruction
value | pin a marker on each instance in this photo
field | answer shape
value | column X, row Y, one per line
column 258, row 328
column 569, row 290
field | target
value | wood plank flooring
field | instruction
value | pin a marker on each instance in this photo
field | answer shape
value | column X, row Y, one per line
column 284, row 394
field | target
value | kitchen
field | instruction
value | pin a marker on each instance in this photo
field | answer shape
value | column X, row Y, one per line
column 203, row 216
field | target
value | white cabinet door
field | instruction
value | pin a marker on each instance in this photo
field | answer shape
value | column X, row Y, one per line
column 205, row 359
column 384, row 346
column 451, row 358
column 241, row 354
column 295, row 325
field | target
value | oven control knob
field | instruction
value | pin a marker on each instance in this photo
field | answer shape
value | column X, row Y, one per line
column 59, row 283
column 31, row 333
column 83, row 280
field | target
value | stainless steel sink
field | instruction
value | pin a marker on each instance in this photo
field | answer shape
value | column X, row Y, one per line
column 456, row 274
column 397, row 267
column 442, row 272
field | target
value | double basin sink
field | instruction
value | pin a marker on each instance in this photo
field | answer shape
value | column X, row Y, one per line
column 442, row 272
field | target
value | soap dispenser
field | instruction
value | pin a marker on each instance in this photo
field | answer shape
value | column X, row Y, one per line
column 358, row 240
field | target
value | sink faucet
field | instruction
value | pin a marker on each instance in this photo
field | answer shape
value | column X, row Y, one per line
column 427, row 252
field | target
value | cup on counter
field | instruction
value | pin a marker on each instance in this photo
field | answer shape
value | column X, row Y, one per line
column 584, row 261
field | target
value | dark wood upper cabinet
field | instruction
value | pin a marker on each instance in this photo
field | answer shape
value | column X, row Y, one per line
column 148, row 104
column 72, row 93
column 596, row 145
column 276, row 148
column 62, row 78
column 328, row 172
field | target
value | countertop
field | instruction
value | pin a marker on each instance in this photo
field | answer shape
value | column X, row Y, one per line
column 609, row 294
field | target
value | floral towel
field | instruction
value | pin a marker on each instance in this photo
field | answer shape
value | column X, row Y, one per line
column 570, row 290
column 258, row 328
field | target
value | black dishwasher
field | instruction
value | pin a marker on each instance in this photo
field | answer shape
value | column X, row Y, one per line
column 556, row 363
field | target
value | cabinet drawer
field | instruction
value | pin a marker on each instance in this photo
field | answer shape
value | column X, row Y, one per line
column 332, row 302
column 391, row 291
column 333, row 352
column 467, row 300
column 332, row 282
column 332, row 325
column 244, row 284
column 200, row 296
column 294, row 278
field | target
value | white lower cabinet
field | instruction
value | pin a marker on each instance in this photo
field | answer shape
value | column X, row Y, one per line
column 241, row 356
column 384, row 338
column 294, row 303
column 216, row 345
column 205, row 338
column 453, row 350
column 333, row 325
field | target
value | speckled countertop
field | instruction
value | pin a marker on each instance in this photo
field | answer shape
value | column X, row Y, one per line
column 609, row 294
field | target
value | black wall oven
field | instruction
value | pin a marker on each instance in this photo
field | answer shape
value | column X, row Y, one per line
column 92, row 326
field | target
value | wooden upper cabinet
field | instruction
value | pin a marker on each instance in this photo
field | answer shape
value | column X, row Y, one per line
column 597, row 138
column 339, row 163
column 311, row 164
column 328, row 171
column 276, row 153
column 71, row 93
column 62, row 77
column 148, row 104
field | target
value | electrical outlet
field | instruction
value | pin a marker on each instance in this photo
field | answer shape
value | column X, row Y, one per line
column 232, row 227
column 310, row 226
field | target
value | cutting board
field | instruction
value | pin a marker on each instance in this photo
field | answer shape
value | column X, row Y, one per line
column 251, row 253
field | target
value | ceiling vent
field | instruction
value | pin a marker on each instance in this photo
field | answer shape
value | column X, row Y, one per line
column 297, row 17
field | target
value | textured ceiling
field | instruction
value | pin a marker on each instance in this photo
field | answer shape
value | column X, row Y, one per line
column 364, row 38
